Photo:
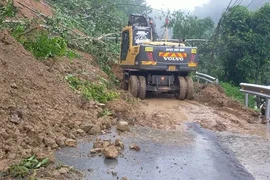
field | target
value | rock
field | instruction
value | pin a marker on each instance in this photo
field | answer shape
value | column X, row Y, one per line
column 71, row 143
column 60, row 141
column 80, row 131
column 135, row 147
column 124, row 178
column 111, row 152
column 93, row 151
column 14, row 85
column 106, row 144
column 122, row 126
column 119, row 143
column 114, row 173
column 98, row 144
column 49, row 141
column 64, row 170
column 95, row 130
column 113, row 121
column 106, row 122
column 118, row 149
column 86, row 127
column 96, row 150
column 101, row 105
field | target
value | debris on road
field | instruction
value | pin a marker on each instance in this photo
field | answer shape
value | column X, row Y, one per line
column 122, row 126
column 107, row 148
column 135, row 147
column 111, row 152
column 71, row 142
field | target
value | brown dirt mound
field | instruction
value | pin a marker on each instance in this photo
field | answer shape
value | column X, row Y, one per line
column 213, row 95
column 123, row 110
column 116, row 69
column 38, row 110
column 84, row 68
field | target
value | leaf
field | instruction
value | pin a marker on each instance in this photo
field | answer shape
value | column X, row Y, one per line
column 43, row 162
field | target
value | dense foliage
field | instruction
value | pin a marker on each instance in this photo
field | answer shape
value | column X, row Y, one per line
column 237, row 50
column 96, row 19
column 244, row 51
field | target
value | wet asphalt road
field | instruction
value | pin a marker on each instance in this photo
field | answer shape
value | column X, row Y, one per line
column 189, row 154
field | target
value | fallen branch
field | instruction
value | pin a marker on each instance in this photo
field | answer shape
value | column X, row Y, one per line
column 32, row 29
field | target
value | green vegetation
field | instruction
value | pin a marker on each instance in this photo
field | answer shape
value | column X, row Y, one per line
column 97, row 20
column 238, row 47
column 105, row 112
column 26, row 167
column 234, row 92
column 94, row 91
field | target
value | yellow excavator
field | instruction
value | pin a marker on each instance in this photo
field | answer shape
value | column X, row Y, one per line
column 153, row 65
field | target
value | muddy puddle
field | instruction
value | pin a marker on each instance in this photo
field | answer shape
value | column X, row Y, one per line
column 192, row 153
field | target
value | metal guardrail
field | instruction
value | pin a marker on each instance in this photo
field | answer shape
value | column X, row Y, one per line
column 258, row 90
column 206, row 78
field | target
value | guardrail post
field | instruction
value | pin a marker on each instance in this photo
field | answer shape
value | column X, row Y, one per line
column 267, row 109
column 246, row 99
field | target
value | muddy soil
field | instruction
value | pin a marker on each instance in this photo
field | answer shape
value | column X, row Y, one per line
column 38, row 109
column 166, row 112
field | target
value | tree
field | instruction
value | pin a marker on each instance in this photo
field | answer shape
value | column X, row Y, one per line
column 191, row 27
column 244, row 49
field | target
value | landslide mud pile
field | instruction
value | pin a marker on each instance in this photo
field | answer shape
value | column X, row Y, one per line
column 214, row 96
column 38, row 110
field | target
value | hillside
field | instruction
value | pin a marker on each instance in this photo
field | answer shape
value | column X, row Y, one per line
column 50, row 103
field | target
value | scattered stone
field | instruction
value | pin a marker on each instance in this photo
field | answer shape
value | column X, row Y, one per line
column 114, row 173
column 111, row 152
column 113, row 121
column 15, row 118
column 49, row 141
column 118, row 149
column 119, row 143
column 86, row 127
column 93, row 151
column 96, row 150
column 95, row 130
column 14, row 86
column 106, row 144
column 135, row 147
column 80, row 131
column 97, row 144
column 60, row 141
column 71, row 143
column 122, row 126
column 64, row 170
column 100, row 105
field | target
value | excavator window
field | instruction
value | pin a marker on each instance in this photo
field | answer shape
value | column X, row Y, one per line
column 141, row 36
column 125, row 45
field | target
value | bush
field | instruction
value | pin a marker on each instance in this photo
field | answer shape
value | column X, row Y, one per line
column 98, row 92
column 44, row 46
column 234, row 92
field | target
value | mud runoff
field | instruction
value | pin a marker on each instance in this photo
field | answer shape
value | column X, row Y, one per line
column 191, row 154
